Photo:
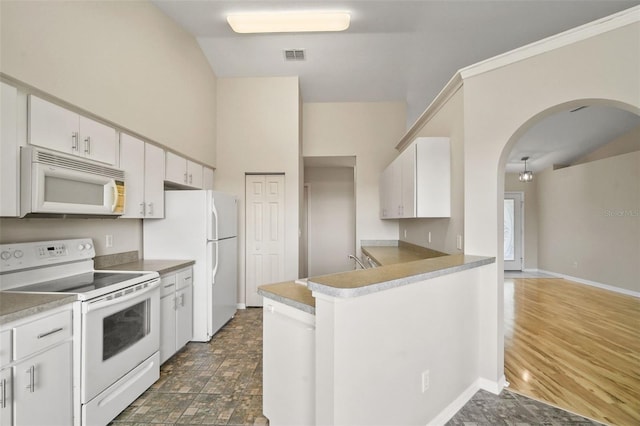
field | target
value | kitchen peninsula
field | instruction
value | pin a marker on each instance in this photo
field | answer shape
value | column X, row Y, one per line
column 373, row 346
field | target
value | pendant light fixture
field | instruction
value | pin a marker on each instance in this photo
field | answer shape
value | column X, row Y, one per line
column 526, row 175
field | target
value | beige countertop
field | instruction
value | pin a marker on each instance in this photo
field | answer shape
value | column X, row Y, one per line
column 15, row 306
column 158, row 265
column 290, row 293
column 402, row 264
column 400, row 253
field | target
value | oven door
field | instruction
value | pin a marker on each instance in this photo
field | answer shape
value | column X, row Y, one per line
column 119, row 331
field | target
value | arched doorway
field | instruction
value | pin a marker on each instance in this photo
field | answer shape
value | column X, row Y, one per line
column 574, row 190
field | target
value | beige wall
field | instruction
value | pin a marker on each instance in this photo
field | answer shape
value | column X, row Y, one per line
column 589, row 221
column 368, row 131
column 258, row 132
column 530, row 191
column 629, row 142
column 449, row 122
column 125, row 62
column 499, row 106
column 331, row 214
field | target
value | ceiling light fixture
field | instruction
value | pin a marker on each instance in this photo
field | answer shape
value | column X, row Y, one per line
column 288, row 22
column 527, row 175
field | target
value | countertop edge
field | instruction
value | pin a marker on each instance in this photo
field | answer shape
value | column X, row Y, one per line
column 35, row 309
column 474, row 262
column 287, row 301
column 161, row 266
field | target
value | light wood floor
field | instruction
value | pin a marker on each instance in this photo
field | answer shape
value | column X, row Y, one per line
column 574, row 346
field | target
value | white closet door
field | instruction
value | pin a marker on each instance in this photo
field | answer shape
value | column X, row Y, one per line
column 264, row 236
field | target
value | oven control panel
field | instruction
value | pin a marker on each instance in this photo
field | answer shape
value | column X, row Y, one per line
column 18, row 256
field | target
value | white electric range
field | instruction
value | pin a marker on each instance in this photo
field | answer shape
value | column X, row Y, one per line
column 119, row 311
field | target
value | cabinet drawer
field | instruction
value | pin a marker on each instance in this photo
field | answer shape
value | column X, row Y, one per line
column 39, row 334
column 5, row 347
column 184, row 278
column 167, row 284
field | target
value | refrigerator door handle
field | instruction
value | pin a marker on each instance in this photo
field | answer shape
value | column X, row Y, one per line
column 215, row 267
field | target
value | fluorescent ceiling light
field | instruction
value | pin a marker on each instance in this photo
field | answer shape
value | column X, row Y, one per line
column 288, row 22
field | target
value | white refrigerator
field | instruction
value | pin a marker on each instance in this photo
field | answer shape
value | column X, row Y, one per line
column 201, row 225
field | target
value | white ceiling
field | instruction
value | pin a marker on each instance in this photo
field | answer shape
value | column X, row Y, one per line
column 394, row 50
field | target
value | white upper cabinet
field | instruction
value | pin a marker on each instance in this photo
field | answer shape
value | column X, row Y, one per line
column 9, row 152
column 183, row 172
column 143, row 165
column 57, row 128
column 417, row 184
column 154, row 181
column 207, row 178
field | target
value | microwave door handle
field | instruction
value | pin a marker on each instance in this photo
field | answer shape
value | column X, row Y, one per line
column 101, row 304
column 114, row 193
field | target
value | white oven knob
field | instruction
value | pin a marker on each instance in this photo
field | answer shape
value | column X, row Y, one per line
column 80, row 247
column 18, row 254
column 88, row 246
column 5, row 255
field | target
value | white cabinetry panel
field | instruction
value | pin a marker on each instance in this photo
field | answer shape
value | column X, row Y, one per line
column 54, row 127
column 9, row 152
column 417, row 184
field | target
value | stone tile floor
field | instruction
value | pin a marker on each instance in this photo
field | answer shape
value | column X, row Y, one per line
column 220, row 383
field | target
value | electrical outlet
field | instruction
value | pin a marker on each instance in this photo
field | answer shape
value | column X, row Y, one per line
column 429, row 236
column 459, row 242
column 108, row 240
column 425, row 381
column 405, row 233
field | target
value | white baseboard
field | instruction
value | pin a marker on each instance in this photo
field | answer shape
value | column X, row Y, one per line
column 445, row 415
column 241, row 306
column 593, row 283
column 491, row 386
column 481, row 383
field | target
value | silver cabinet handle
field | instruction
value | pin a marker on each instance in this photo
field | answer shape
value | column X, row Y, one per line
column 48, row 333
column 175, row 303
column 74, row 141
column 3, row 393
column 151, row 209
column 87, row 145
column 141, row 209
column 185, row 177
column 182, row 300
column 31, row 372
column 190, row 178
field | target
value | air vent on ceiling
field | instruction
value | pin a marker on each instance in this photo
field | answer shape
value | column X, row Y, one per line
column 294, row 55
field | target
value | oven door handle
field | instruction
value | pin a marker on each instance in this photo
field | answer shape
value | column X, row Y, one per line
column 101, row 303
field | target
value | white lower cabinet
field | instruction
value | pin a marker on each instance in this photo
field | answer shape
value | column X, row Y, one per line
column 43, row 388
column 176, row 311
column 36, row 383
column 288, row 365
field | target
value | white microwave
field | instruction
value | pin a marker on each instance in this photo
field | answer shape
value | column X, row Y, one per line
column 53, row 184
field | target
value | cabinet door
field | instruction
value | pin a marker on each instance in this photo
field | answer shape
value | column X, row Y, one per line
column 194, row 170
column 132, row 161
column 184, row 316
column 207, row 178
column 54, row 127
column 6, row 399
column 9, row 151
column 176, row 169
column 407, row 162
column 167, row 326
column 154, row 181
column 43, row 388
column 98, row 141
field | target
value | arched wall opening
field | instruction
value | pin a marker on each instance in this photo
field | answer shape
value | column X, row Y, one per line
column 499, row 106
